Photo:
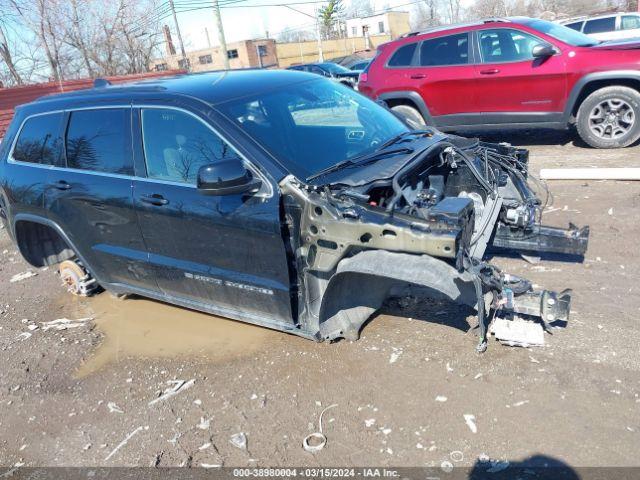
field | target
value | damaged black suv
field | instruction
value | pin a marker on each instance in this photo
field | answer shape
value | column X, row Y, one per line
column 273, row 197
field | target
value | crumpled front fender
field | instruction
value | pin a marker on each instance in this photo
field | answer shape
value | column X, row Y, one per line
column 363, row 282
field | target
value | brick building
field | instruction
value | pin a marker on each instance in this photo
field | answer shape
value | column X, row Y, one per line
column 260, row 53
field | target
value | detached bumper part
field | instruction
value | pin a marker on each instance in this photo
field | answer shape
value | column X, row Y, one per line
column 547, row 305
column 515, row 313
column 516, row 325
column 539, row 238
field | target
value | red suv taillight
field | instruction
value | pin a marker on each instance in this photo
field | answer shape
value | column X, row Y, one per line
column 363, row 77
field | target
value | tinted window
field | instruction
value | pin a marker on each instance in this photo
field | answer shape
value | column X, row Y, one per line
column 577, row 26
column 100, row 140
column 630, row 22
column 403, row 56
column 176, row 145
column 600, row 25
column 504, row 45
column 309, row 126
column 39, row 140
column 451, row 50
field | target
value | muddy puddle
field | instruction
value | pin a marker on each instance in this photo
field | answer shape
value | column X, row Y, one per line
column 137, row 327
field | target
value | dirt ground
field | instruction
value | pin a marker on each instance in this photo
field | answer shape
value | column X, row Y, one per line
column 403, row 394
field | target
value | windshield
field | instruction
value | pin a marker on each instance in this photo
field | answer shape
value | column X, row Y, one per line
column 312, row 125
column 560, row 32
column 334, row 68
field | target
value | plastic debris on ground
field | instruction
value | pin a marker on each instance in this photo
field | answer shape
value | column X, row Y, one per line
column 518, row 333
column 64, row 323
column 177, row 387
column 239, row 440
column 470, row 420
column 22, row 276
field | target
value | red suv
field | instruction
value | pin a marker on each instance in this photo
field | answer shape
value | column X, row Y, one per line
column 511, row 73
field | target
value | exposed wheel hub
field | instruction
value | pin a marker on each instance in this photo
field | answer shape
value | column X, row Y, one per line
column 611, row 119
column 77, row 280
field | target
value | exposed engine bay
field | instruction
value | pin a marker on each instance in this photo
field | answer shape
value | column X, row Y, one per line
column 426, row 221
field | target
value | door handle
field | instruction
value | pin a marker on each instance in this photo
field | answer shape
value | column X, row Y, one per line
column 418, row 76
column 61, row 185
column 490, row 71
column 155, row 199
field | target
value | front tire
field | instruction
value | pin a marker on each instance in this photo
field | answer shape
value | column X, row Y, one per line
column 610, row 117
column 411, row 116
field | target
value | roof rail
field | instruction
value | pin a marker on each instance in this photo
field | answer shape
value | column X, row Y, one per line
column 495, row 19
column 576, row 18
column 101, row 83
column 438, row 28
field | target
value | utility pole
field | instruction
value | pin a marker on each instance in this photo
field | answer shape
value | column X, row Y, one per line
column 319, row 34
column 175, row 21
column 221, row 39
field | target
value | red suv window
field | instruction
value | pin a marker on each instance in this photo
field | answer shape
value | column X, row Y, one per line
column 449, row 50
column 506, row 45
column 403, row 57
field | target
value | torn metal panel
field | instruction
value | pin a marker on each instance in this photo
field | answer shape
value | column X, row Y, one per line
column 428, row 226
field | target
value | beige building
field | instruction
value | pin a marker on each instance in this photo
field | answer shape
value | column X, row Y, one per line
column 307, row 52
column 393, row 24
column 245, row 54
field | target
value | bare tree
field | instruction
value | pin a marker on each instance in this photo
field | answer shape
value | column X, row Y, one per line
column 453, row 10
column 7, row 56
column 426, row 14
column 358, row 8
column 490, row 8
column 40, row 16
column 79, row 38
column 79, row 32
column 295, row 35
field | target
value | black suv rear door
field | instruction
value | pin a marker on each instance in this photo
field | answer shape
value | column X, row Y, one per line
column 223, row 253
column 90, row 198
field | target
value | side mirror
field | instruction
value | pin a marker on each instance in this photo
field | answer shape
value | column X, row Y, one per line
column 228, row 177
column 543, row 50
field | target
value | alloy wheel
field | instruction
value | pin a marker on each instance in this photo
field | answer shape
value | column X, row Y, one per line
column 611, row 119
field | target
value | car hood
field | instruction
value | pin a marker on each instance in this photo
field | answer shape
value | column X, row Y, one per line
column 626, row 44
column 383, row 169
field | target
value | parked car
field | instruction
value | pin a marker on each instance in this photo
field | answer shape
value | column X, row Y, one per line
column 273, row 197
column 330, row 70
column 618, row 26
column 360, row 66
column 512, row 73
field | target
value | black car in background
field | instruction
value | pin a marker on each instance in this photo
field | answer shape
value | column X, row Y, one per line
column 330, row 70
column 360, row 66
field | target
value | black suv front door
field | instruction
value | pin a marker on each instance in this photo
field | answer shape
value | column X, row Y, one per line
column 224, row 253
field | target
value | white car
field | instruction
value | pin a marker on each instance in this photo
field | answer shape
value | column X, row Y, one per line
column 616, row 26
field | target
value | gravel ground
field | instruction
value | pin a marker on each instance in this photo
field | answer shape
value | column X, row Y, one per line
column 404, row 393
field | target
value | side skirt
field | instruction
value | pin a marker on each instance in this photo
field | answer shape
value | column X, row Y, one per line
column 212, row 309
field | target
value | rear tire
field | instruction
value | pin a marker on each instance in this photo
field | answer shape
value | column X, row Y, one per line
column 411, row 116
column 610, row 117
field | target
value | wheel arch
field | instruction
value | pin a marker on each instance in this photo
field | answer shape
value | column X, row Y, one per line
column 594, row 81
column 409, row 98
column 363, row 282
column 41, row 241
